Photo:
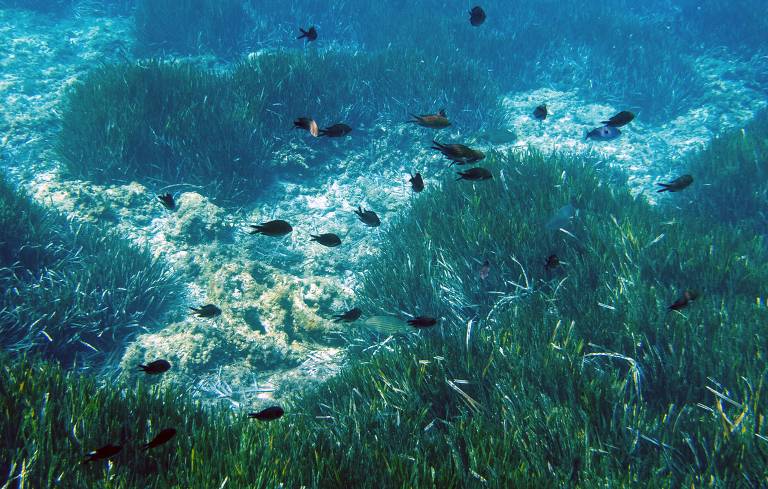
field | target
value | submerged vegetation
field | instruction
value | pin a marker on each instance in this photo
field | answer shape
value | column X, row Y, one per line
column 190, row 26
column 576, row 372
column 732, row 178
column 177, row 123
column 71, row 292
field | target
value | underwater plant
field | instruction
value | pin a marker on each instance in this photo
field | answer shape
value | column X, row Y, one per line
column 177, row 123
column 190, row 26
column 731, row 178
column 70, row 291
column 541, row 372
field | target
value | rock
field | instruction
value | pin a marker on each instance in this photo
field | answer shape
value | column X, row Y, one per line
column 196, row 220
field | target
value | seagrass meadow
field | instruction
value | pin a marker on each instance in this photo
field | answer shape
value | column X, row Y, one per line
column 260, row 244
column 575, row 376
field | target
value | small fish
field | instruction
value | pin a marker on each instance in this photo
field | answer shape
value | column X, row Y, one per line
column 485, row 270
column 103, row 453
column 168, row 201
column 335, row 131
column 310, row 34
column 621, row 119
column 682, row 302
column 387, row 325
column 206, row 311
column 327, row 239
column 422, row 322
column 163, row 437
column 269, row 414
column 575, row 469
column 476, row 173
column 459, row 153
column 552, row 262
column 275, row 228
column 369, row 218
column 540, row 112
column 308, row 124
column 476, row 16
column 349, row 316
column 603, row 133
column 155, row 367
column 432, row 121
column 417, row 183
column 677, row 184
column 562, row 218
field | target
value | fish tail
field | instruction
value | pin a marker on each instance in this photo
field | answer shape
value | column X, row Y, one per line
column 461, row 177
column 303, row 33
column 664, row 188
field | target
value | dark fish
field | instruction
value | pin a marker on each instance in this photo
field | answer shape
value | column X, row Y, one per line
column 552, row 262
column 621, row 119
column 275, row 228
column 682, row 302
column 369, row 218
column 168, row 201
column 308, row 124
column 458, row 153
column 575, row 470
column 417, row 183
column 156, row 367
column 206, row 311
column 269, row 414
column 476, row 173
column 603, row 133
column 310, row 34
column 540, row 112
column 103, row 453
column 485, row 270
column 162, row 437
column 677, row 184
column 349, row 316
column 336, row 131
column 422, row 322
column 327, row 239
column 432, row 121
column 476, row 16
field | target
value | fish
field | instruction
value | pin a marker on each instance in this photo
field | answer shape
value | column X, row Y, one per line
column 206, row 311
column 275, row 228
column 310, row 34
column 422, row 322
column 603, row 133
column 562, row 218
column 308, row 124
column 335, row 131
column 417, row 183
column 575, row 469
column 103, row 453
column 369, row 218
column 476, row 16
column 163, row 437
column 168, row 201
column 432, row 121
column 327, row 239
column 349, row 316
column 485, row 270
column 540, row 112
column 552, row 262
column 682, row 302
column 390, row 325
column 459, row 153
column 677, row 184
column 621, row 119
column 269, row 414
column 155, row 367
column 476, row 173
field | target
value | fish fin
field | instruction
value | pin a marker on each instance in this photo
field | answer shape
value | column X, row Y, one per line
column 665, row 187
